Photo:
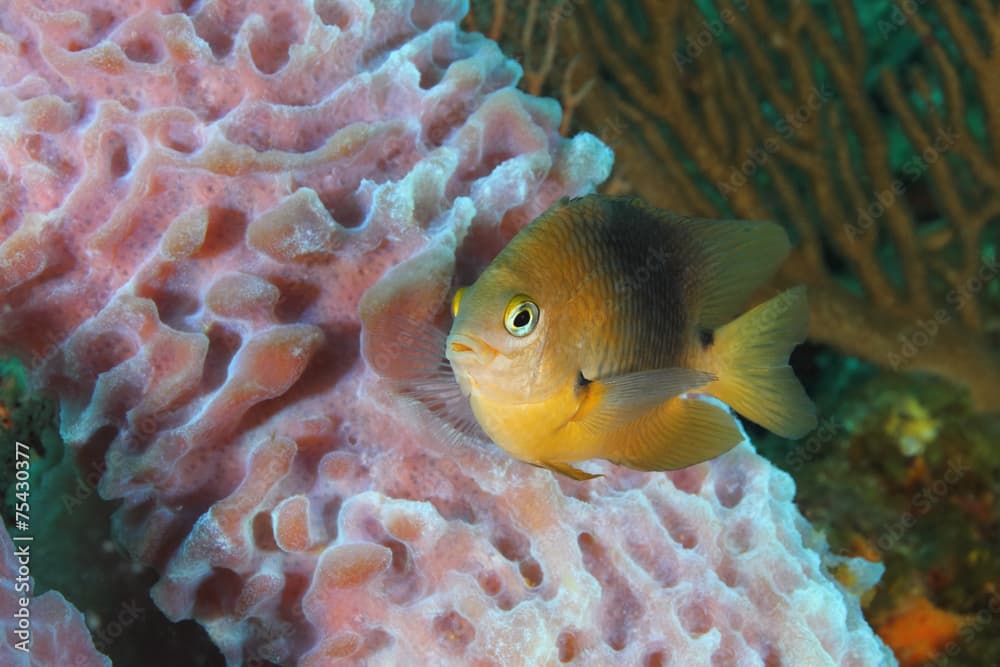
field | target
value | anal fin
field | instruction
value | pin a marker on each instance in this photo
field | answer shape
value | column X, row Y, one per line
column 682, row 432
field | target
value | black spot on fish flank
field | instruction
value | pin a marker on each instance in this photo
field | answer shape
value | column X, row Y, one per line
column 582, row 381
column 707, row 337
column 647, row 257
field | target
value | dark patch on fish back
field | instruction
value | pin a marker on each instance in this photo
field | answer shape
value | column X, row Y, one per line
column 649, row 262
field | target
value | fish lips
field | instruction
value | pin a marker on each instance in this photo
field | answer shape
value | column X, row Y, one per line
column 464, row 351
column 467, row 354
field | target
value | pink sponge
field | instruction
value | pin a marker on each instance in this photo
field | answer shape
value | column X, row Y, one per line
column 195, row 197
column 48, row 631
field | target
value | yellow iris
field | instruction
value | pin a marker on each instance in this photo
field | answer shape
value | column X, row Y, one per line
column 521, row 316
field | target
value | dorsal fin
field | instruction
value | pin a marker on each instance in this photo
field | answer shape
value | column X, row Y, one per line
column 737, row 258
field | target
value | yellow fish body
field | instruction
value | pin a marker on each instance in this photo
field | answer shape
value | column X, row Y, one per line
column 582, row 336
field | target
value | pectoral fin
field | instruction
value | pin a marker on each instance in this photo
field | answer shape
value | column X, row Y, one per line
column 614, row 402
column 418, row 370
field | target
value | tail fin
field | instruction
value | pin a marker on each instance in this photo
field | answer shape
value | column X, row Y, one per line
column 754, row 376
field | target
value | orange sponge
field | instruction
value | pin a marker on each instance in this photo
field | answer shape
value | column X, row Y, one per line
column 919, row 631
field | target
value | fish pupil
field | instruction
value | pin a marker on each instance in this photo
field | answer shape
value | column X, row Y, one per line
column 521, row 316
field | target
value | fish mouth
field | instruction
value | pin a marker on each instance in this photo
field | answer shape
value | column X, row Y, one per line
column 462, row 348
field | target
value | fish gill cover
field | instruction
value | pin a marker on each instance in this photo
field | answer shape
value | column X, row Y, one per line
column 193, row 200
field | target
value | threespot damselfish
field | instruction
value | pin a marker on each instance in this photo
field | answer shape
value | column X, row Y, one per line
column 593, row 332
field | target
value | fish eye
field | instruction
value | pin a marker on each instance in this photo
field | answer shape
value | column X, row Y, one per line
column 521, row 316
column 456, row 300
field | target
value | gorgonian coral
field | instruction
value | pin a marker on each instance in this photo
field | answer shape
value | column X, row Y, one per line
column 195, row 199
